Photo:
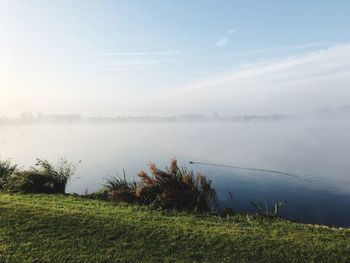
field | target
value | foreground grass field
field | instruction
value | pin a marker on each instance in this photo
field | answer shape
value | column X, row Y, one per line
column 58, row 228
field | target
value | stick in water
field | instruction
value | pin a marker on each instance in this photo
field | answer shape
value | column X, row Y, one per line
column 246, row 168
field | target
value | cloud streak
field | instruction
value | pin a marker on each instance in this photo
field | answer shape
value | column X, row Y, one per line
column 291, row 84
column 130, row 60
column 280, row 48
column 127, row 64
column 225, row 39
column 141, row 53
column 223, row 42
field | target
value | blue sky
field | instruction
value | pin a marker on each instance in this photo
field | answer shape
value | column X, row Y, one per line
column 121, row 57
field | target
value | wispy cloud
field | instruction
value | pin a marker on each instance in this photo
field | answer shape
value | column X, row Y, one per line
column 141, row 53
column 122, row 60
column 126, row 63
column 280, row 48
column 231, row 31
column 223, row 42
column 290, row 84
column 225, row 39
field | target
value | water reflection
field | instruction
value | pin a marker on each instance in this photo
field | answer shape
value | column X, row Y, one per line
column 313, row 200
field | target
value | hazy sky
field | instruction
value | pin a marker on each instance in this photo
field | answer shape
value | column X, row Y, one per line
column 170, row 57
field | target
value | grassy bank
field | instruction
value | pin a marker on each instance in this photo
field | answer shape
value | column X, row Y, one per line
column 58, row 228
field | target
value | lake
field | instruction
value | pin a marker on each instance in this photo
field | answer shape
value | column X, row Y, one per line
column 318, row 151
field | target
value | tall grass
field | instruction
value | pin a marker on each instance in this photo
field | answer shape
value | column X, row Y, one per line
column 262, row 208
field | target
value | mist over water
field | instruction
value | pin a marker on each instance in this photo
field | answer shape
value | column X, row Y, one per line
column 318, row 151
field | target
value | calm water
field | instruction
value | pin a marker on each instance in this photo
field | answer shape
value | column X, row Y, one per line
column 317, row 150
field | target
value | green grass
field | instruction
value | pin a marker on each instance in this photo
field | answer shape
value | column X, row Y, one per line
column 58, row 228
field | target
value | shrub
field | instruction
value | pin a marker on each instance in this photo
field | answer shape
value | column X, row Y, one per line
column 121, row 189
column 33, row 182
column 6, row 170
column 60, row 173
column 172, row 188
column 176, row 188
column 43, row 178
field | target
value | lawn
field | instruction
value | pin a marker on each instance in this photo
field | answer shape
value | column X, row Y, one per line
column 62, row 228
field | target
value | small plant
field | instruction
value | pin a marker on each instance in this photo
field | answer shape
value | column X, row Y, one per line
column 229, row 210
column 42, row 178
column 6, row 170
column 120, row 189
column 263, row 208
column 232, row 201
column 102, row 194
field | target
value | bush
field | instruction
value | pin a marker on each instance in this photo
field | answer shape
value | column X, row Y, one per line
column 33, row 182
column 121, row 189
column 172, row 188
column 176, row 188
column 6, row 170
column 43, row 178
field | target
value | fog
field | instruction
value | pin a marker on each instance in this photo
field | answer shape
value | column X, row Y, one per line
column 315, row 150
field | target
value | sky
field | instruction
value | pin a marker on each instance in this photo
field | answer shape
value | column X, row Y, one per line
column 128, row 57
